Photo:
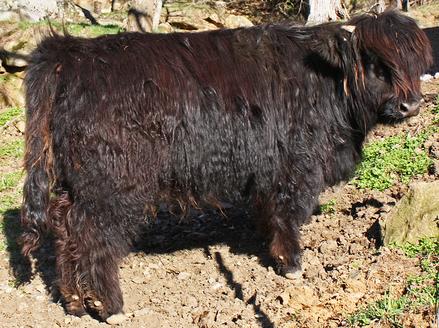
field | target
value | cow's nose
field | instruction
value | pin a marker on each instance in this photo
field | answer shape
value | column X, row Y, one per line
column 410, row 108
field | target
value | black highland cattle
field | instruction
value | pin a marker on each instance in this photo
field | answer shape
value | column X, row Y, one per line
column 263, row 117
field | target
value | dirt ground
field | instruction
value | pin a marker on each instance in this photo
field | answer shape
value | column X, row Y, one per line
column 211, row 271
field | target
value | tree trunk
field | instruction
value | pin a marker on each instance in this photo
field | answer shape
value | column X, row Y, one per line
column 144, row 15
column 156, row 15
column 321, row 11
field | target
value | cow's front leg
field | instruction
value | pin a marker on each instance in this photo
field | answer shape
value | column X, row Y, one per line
column 285, row 245
column 280, row 217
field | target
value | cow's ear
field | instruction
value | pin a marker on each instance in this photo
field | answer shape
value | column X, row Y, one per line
column 334, row 47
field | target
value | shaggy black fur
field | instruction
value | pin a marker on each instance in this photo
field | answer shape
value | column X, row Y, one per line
column 264, row 117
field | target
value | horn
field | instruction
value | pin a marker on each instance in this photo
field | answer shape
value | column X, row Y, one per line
column 349, row 28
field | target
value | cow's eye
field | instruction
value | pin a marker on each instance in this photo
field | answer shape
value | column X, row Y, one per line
column 380, row 73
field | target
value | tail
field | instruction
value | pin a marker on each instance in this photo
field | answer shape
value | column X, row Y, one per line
column 40, row 84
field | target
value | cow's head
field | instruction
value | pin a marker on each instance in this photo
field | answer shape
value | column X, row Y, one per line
column 382, row 56
column 395, row 53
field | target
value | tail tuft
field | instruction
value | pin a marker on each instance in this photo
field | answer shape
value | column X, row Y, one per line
column 40, row 84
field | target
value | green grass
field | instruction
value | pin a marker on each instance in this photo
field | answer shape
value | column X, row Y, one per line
column 10, row 180
column 93, row 30
column 328, row 208
column 395, row 158
column 4, row 78
column 387, row 309
column 12, row 149
column 9, row 200
column 77, row 29
column 421, row 290
column 425, row 247
column 9, row 114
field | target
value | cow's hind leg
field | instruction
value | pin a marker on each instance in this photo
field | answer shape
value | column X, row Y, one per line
column 104, row 244
column 67, row 255
column 100, row 268
column 88, row 255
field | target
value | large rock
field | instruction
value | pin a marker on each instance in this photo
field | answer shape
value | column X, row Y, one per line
column 201, row 16
column 33, row 10
column 11, row 91
column 235, row 21
column 416, row 216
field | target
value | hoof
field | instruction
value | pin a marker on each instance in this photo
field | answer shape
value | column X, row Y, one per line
column 296, row 275
column 291, row 272
column 73, row 305
column 97, row 309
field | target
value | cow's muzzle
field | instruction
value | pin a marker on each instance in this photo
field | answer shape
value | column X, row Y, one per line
column 408, row 109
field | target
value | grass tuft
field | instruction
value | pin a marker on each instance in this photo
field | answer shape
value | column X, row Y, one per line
column 76, row 29
column 421, row 290
column 387, row 309
column 9, row 114
column 426, row 247
column 9, row 200
column 12, row 149
column 395, row 158
column 328, row 208
column 10, row 180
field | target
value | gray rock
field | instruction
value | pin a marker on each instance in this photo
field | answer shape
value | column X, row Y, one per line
column 235, row 21
column 116, row 319
column 9, row 15
column 36, row 9
column 426, row 77
column 416, row 216
column 328, row 246
column 183, row 275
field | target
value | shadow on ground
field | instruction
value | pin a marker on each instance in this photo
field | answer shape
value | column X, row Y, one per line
column 166, row 234
column 23, row 268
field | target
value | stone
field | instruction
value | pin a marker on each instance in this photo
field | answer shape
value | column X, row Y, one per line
column 183, row 275
column 328, row 246
column 116, row 319
column 294, row 275
column 36, row 10
column 235, row 21
column 415, row 217
column 283, row 298
column 137, row 280
column 142, row 312
column 217, row 285
column 302, row 297
column 426, row 77
column 165, row 28
column 9, row 15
